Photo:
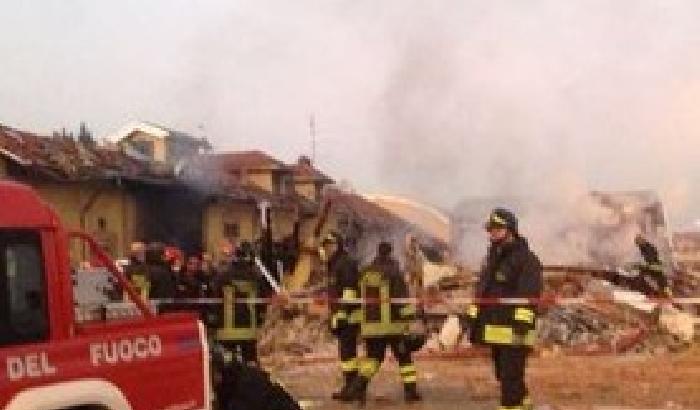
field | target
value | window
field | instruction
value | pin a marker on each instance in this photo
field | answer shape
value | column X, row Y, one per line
column 282, row 183
column 231, row 230
column 144, row 147
column 23, row 315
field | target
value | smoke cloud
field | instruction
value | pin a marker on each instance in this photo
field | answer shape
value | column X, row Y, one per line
column 538, row 105
column 545, row 98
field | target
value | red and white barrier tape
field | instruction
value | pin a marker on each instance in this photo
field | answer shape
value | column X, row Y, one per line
column 457, row 301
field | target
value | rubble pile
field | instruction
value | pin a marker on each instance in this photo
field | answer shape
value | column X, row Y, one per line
column 295, row 333
column 660, row 342
column 572, row 325
column 609, row 319
column 582, row 325
column 615, row 321
column 687, row 284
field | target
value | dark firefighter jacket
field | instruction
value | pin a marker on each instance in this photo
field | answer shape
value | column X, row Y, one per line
column 244, row 387
column 161, row 281
column 343, row 289
column 192, row 285
column 379, row 282
column 511, row 270
column 241, row 317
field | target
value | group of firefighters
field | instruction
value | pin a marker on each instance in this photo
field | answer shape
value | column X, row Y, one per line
column 162, row 273
column 364, row 307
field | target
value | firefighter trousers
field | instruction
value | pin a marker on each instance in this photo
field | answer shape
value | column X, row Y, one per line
column 347, row 350
column 248, row 349
column 376, row 350
column 509, row 365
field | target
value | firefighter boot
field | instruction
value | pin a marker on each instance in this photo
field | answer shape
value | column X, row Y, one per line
column 349, row 377
column 357, row 391
column 410, row 393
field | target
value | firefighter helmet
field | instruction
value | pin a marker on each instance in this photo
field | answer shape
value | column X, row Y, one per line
column 502, row 218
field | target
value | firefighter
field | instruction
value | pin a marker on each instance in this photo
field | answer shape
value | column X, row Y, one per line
column 384, row 324
column 226, row 257
column 414, row 265
column 135, row 271
column 241, row 387
column 241, row 319
column 651, row 269
column 208, row 275
column 343, row 276
column 159, row 277
column 511, row 270
column 190, row 282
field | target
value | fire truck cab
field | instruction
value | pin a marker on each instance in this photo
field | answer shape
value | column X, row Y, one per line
column 51, row 361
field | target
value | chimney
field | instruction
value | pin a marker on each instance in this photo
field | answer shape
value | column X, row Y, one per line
column 304, row 160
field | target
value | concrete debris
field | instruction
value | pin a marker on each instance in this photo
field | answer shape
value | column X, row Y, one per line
column 295, row 333
column 433, row 273
column 677, row 323
column 450, row 333
column 587, row 328
column 611, row 320
column 634, row 300
column 659, row 342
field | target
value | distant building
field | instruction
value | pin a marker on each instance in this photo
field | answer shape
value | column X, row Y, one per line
column 159, row 144
column 87, row 185
column 270, row 181
column 309, row 182
column 686, row 251
column 429, row 219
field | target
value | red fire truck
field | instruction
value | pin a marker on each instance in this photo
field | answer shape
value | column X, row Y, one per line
column 52, row 361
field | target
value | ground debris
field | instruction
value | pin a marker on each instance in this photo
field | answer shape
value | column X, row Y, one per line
column 295, row 333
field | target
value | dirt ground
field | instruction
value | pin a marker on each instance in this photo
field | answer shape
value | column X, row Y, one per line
column 557, row 383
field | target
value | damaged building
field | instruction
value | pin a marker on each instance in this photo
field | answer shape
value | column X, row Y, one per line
column 154, row 183
column 593, row 229
column 686, row 251
column 148, row 187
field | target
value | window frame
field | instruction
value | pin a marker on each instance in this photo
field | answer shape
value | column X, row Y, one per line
column 8, row 238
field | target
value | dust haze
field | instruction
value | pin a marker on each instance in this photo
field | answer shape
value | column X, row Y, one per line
column 547, row 99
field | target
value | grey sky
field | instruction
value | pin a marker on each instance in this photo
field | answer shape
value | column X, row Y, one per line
column 436, row 99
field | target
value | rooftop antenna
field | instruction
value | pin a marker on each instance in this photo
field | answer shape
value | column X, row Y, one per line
column 312, row 133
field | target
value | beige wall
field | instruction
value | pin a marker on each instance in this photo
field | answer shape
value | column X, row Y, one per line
column 307, row 189
column 283, row 221
column 261, row 180
column 220, row 213
column 111, row 203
